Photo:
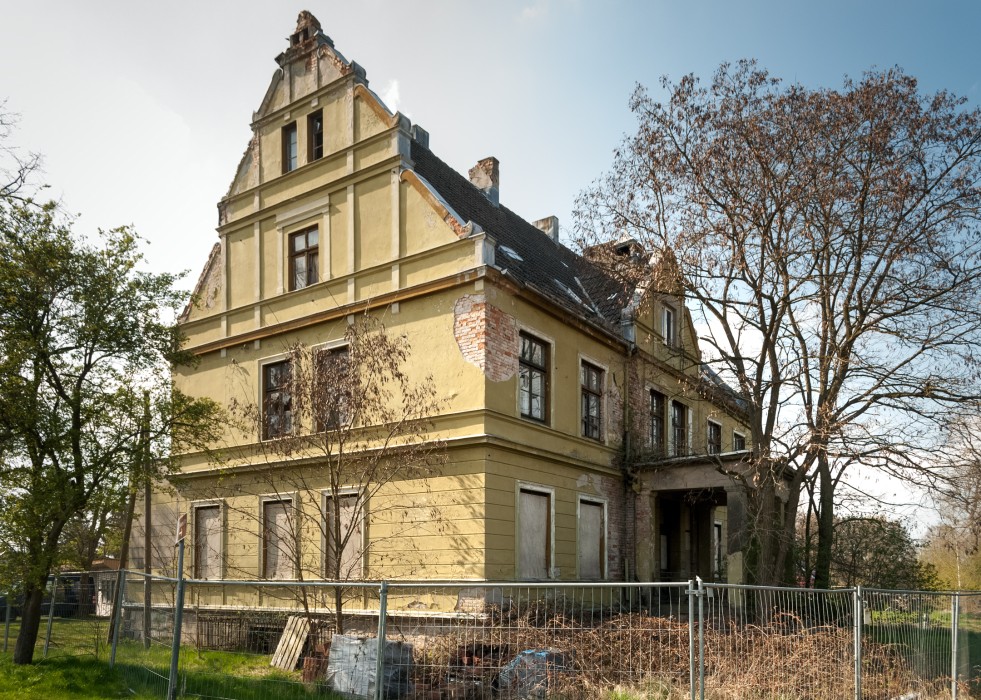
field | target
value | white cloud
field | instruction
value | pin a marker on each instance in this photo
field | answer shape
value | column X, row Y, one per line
column 390, row 95
column 530, row 13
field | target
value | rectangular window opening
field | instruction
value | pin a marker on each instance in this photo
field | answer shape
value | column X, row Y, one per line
column 591, row 381
column 533, row 378
column 290, row 161
column 277, row 400
column 277, row 552
column 207, row 542
column 592, row 540
column 331, row 400
column 669, row 327
column 315, row 136
column 714, row 438
column 658, row 404
column 738, row 442
column 534, row 534
column 348, row 538
column 304, row 258
column 679, row 429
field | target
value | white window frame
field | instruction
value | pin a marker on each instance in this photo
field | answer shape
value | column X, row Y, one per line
column 549, row 491
column 325, row 495
column 604, row 567
column 277, row 498
column 552, row 369
column 223, row 530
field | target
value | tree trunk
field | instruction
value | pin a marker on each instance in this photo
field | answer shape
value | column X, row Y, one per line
column 826, row 522
column 30, row 623
column 339, row 610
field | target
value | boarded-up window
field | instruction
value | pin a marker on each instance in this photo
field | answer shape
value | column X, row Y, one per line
column 207, row 542
column 534, row 534
column 277, row 559
column 349, row 537
column 592, row 540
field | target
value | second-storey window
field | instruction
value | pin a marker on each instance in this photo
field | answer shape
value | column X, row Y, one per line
column 304, row 256
column 533, row 378
column 591, row 381
column 332, row 395
column 657, row 422
column 738, row 442
column 679, row 429
column 290, row 161
column 277, row 400
column 714, row 438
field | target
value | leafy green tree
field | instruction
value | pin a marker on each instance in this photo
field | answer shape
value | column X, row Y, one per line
column 83, row 335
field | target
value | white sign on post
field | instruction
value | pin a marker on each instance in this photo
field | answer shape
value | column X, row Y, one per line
column 181, row 528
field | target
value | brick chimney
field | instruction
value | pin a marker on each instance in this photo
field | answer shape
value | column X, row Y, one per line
column 486, row 177
column 549, row 226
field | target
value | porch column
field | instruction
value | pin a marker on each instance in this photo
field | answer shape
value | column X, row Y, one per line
column 646, row 536
column 737, row 522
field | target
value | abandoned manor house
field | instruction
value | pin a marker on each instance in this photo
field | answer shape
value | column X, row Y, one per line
column 580, row 436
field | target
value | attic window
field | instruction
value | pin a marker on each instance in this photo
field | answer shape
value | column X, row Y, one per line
column 622, row 249
column 315, row 135
column 299, row 37
column 289, row 148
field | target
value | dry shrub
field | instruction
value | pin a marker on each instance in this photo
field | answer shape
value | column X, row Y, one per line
column 634, row 655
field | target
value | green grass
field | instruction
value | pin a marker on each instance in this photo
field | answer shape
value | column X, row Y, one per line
column 77, row 667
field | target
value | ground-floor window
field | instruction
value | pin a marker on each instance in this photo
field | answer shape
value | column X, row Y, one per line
column 277, row 552
column 534, row 525
column 592, row 540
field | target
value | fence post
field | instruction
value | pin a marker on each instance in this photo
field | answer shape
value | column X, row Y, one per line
column 859, row 613
column 691, row 639
column 175, row 649
column 6, row 624
column 380, row 661
column 955, row 610
column 701, row 640
column 51, row 609
column 117, row 615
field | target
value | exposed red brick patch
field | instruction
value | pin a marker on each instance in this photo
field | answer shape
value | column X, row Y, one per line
column 487, row 337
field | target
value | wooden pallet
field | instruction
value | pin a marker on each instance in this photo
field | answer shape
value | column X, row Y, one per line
column 291, row 643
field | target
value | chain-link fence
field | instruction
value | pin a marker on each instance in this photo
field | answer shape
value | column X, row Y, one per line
column 260, row 640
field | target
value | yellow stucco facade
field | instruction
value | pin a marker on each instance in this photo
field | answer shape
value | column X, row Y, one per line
column 566, row 481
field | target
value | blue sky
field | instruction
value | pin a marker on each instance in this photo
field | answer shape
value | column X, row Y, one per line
column 142, row 109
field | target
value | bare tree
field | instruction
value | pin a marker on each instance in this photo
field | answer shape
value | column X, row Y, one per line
column 345, row 438
column 16, row 166
column 829, row 242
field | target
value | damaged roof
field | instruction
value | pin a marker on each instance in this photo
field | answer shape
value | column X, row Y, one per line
column 526, row 254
